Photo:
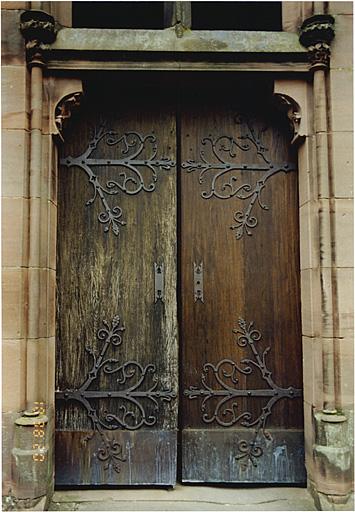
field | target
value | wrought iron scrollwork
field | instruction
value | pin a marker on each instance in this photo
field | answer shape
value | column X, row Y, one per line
column 223, row 182
column 225, row 374
column 130, row 180
column 132, row 411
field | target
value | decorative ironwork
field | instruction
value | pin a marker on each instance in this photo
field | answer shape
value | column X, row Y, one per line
column 132, row 413
column 224, row 187
column 158, row 282
column 130, row 180
column 198, row 282
column 226, row 374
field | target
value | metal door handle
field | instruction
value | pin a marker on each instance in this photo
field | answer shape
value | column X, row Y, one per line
column 158, row 282
column 198, row 281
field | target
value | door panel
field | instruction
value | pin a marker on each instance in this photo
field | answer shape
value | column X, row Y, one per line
column 241, row 413
column 240, row 405
column 117, row 365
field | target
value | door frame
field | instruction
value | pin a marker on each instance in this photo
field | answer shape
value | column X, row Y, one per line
column 63, row 91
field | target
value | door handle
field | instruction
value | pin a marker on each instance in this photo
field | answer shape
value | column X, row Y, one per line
column 198, row 281
column 158, row 282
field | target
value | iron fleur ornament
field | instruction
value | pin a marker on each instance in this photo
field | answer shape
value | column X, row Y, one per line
column 226, row 411
column 220, row 176
column 131, row 377
column 130, row 178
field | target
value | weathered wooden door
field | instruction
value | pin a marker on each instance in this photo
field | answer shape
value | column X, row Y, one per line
column 117, row 365
column 206, row 183
column 241, row 362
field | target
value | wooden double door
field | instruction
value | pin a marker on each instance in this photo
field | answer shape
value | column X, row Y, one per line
column 178, row 322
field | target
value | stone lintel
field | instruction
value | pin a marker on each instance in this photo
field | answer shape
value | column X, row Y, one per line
column 122, row 40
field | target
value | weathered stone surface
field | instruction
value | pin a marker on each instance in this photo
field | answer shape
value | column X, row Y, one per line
column 13, row 375
column 340, row 7
column 15, row 5
column 344, row 229
column 345, row 289
column 12, row 43
column 14, row 232
column 42, row 324
column 14, row 285
column 332, row 454
column 307, row 176
column 310, row 302
column 341, row 104
column 14, row 162
column 185, row 498
column 312, row 371
column 342, row 47
column 14, row 101
column 166, row 41
column 309, row 235
column 342, row 159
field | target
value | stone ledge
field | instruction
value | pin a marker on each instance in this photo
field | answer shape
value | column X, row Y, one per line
column 113, row 40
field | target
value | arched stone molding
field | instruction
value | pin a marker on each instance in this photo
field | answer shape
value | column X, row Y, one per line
column 292, row 95
column 65, row 94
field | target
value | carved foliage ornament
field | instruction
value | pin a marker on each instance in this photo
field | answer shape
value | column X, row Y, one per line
column 316, row 34
column 219, row 392
column 38, row 29
column 136, row 388
column 219, row 173
column 135, row 173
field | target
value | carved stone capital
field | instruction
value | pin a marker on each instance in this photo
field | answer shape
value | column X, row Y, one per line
column 316, row 34
column 38, row 29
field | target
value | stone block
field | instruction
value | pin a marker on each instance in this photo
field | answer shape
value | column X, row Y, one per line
column 341, row 100
column 345, row 295
column 342, row 46
column 8, row 424
column 43, row 213
column 310, row 302
column 332, row 455
column 15, row 105
column 41, row 321
column 14, row 162
column 340, row 7
column 14, row 223
column 327, row 300
column 309, row 236
column 12, row 42
column 41, row 371
column 344, row 230
column 342, row 160
column 16, row 5
column 49, row 168
column 30, row 455
column 307, row 171
column 14, row 290
column 308, row 436
column 345, row 360
column 312, row 371
column 13, row 375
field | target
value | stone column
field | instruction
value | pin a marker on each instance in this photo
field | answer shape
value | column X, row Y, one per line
column 329, row 467
column 30, row 447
